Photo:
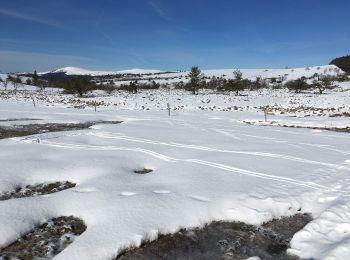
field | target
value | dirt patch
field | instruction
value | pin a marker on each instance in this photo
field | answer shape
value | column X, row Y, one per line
column 275, row 124
column 303, row 109
column 335, row 129
column 46, row 240
column 225, row 240
column 19, row 119
column 36, row 190
column 344, row 114
column 31, row 129
column 143, row 171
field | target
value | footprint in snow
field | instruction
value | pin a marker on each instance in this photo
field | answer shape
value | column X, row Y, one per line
column 127, row 193
column 200, row 198
column 85, row 190
column 326, row 199
column 162, row 191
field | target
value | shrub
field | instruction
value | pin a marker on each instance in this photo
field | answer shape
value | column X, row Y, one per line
column 179, row 85
column 235, row 85
column 238, row 83
column 78, row 85
column 297, row 85
column 109, row 88
column 5, row 83
column 28, row 82
column 258, row 84
column 323, row 83
column 133, row 86
column 16, row 82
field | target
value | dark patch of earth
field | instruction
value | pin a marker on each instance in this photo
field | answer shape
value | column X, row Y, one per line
column 335, row 129
column 36, row 190
column 143, row 171
column 225, row 240
column 46, row 240
column 31, row 129
column 19, row 119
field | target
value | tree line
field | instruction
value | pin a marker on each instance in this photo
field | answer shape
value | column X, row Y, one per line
column 198, row 81
column 81, row 85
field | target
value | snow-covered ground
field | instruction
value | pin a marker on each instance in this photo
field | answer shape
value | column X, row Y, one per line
column 207, row 165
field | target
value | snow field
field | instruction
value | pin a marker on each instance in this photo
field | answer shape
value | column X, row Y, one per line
column 206, row 166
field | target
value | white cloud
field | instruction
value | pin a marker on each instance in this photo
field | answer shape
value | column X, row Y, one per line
column 156, row 8
column 29, row 18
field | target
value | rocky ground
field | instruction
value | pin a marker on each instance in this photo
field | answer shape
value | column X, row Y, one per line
column 46, row 240
column 225, row 240
column 31, row 129
column 36, row 190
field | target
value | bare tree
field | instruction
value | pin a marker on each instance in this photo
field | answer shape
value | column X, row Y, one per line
column 324, row 82
column 4, row 83
column 15, row 85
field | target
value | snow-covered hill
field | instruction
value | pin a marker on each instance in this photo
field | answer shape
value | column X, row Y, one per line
column 81, row 71
column 144, row 75
column 290, row 73
column 247, row 73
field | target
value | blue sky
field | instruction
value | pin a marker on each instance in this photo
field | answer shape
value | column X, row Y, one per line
column 171, row 34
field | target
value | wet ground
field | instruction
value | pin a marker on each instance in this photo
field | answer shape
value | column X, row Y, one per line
column 31, row 129
column 36, row 190
column 46, row 240
column 225, row 240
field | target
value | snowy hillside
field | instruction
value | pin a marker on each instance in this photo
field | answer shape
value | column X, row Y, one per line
column 161, row 77
column 275, row 73
column 80, row 71
column 291, row 73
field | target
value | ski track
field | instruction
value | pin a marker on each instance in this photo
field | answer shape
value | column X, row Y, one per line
column 203, row 148
column 258, row 174
column 163, row 157
column 298, row 145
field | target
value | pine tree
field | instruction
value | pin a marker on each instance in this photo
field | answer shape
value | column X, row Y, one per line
column 36, row 79
column 194, row 79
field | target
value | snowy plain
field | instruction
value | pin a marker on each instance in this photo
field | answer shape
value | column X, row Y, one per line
column 207, row 165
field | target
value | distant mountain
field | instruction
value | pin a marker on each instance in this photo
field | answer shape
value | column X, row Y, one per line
column 173, row 77
column 81, row 71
